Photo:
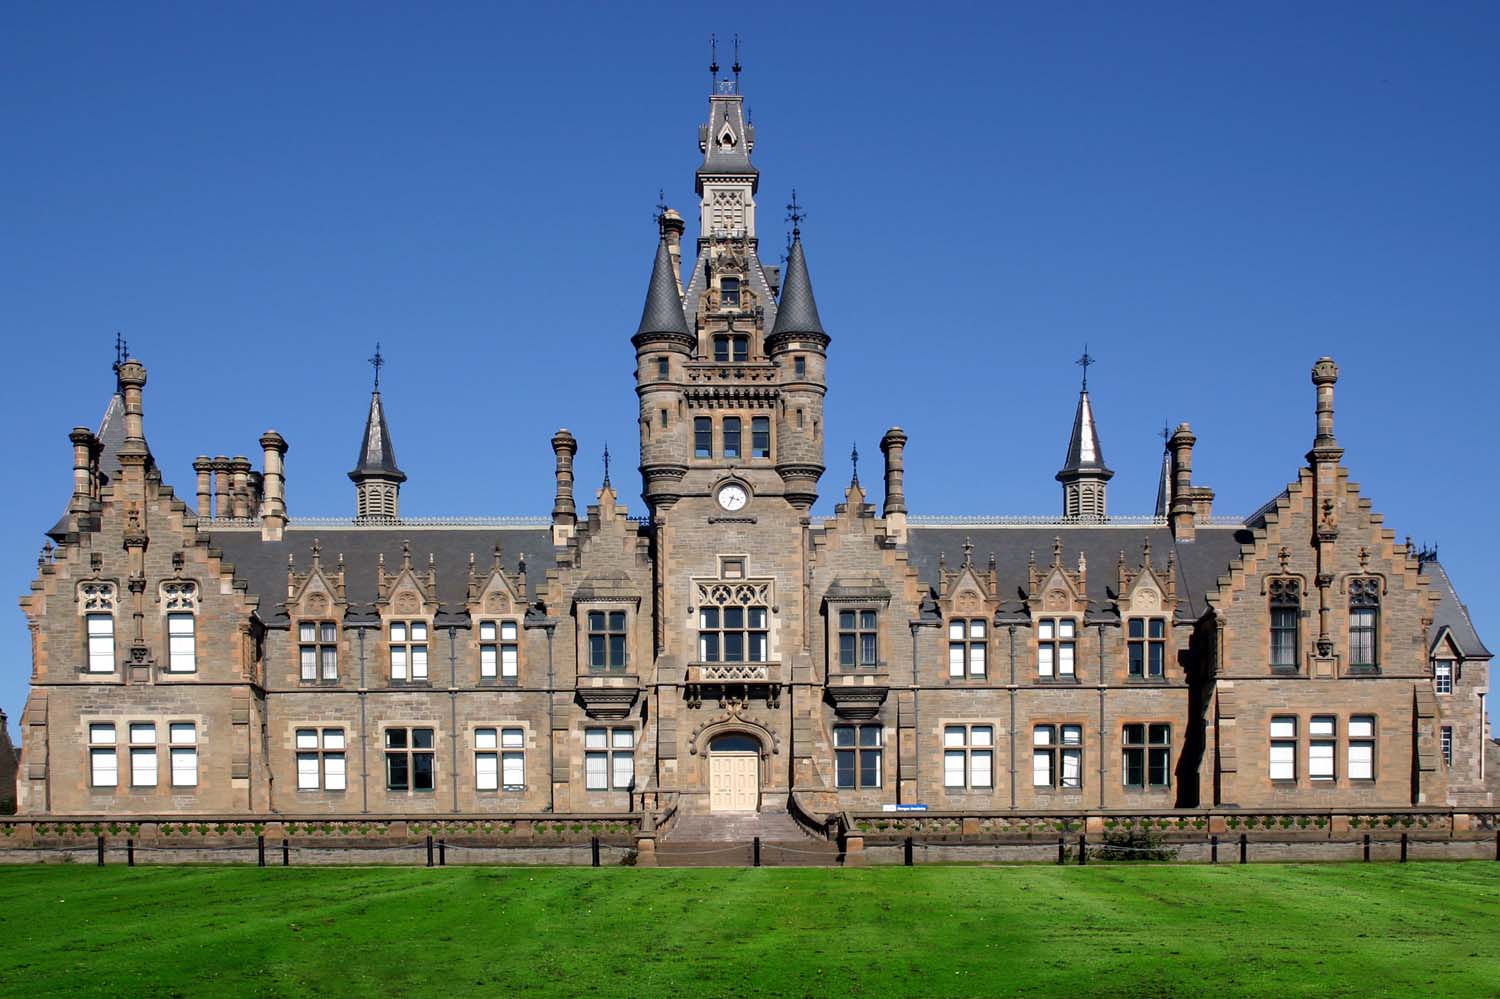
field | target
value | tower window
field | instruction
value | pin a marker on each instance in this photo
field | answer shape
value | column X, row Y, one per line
column 729, row 292
column 799, row 365
column 760, row 437
column 721, row 349
column 703, row 437
column 857, row 639
column 661, row 417
column 661, row 368
column 731, row 436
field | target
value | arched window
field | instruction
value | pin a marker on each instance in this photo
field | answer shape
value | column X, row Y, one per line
column 734, row 742
column 1364, row 623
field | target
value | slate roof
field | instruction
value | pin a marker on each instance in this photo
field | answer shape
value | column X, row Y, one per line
column 1164, row 486
column 798, row 310
column 1084, row 452
column 1199, row 563
column 663, row 311
column 263, row 566
column 111, row 436
column 734, row 158
column 377, row 454
column 1451, row 614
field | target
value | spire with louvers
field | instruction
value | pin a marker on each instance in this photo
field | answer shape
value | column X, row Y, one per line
column 1084, row 473
column 377, row 478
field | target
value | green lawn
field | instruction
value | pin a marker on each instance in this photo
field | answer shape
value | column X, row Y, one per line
column 1332, row 930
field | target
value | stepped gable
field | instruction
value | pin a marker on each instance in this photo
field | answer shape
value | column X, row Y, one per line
column 263, row 564
column 1199, row 564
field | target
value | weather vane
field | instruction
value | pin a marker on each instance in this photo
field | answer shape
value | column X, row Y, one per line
column 661, row 205
column 122, row 350
column 713, row 61
column 377, row 362
column 795, row 214
column 736, row 66
column 606, row 463
column 854, row 460
column 1084, row 363
column 1166, row 434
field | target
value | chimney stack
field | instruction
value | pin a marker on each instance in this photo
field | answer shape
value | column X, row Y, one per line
column 1182, row 509
column 85, row 448
column 204, row 466
column 221, row 487
column 672, row 228
column 893, row 446
column 239, row 487
column 273, row 486
column 134, row 454
column 1326, row 453
column 564, row 513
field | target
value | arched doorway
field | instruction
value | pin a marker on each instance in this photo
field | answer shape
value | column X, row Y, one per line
column 734, row 773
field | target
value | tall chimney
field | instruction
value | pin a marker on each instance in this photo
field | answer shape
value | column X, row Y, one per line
column 239, row 487
column 672, row 228
column 273, row 486
column 1182, row 510
column 133, row 453
column 221, row 487
column 893, row 446
column 204, row 466
column 564, row 513
column 83, row 449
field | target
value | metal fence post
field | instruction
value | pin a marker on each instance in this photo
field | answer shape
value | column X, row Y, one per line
column 1213, row 849
column 1497, row 845
column 1244, row 849
column 1367, row 848
column 755, row 845
column 594, row 849
column 906, row 855
column 286, row 853
column 1062, row 851
column 1083, row 849
column 130, row 853
column 1404, row 840
column 443, row 853
column 429, row 851
column 260, row 850
column 101, row 851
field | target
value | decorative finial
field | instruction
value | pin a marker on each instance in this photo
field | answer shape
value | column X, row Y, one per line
column 661, row 206
column 1084, row 363
column 1057, row 550
column 1364, row 558
column 1283, row 556
column 377, row 362
column 1166, row 433
column 795, row 215
column 736, row 67
column 713, row 62
column 122, row 350
column 968, row 552
column 606, row 465
column 854, row 460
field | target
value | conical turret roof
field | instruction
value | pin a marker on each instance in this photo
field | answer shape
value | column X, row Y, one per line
column 1085, row 456
column 1164, row 486
column 798, row 310
column 377, row 455
column 663, row 312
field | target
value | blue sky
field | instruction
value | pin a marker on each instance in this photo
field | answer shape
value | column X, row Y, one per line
column 256, row 193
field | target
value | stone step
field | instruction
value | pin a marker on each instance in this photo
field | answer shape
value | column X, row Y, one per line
column 737, row 827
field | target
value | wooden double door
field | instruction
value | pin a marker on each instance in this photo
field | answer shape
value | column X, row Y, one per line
column 734, row 782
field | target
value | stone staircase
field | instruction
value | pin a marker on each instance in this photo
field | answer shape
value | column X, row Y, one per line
column 727, row 839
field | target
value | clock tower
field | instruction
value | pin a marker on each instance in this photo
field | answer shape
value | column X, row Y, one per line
column 731, row 384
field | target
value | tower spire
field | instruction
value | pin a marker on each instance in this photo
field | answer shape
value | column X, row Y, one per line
column 1084, row 474
column 1164, row 483
column 798, row 310
column 377, row 478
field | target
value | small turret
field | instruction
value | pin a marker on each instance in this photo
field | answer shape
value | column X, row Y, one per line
column 798, row 344
column 1084, row 474
column 377, row 478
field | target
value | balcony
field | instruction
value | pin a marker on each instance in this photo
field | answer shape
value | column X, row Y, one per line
column 733, row 682
column 858, row 695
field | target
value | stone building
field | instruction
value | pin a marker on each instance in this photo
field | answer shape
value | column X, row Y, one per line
column 729, row 649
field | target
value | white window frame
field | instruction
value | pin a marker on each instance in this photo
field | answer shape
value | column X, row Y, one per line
column 182, row 641
column 1057, row 647
column 1361, row 740
column 968, row 645
column 965, row 747
column 1057, row 756
column 1281, row 761
column 407, row 645
column 1442, row 675
column 99, row 636
column 322, row 760
column 318, row 650
column 609, row 758
column 142, row 750
column 183, row 740
column 1322, row 748
column 104, row 755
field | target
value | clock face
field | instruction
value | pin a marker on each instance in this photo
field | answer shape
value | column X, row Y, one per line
column 733, row 496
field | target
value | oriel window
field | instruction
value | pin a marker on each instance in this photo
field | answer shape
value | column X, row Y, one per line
column 857, row 639
column 606, row 640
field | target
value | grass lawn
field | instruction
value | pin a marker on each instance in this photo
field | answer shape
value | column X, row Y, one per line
column 1262, row 930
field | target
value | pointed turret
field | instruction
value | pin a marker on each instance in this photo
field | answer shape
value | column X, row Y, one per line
column 1164, row 484
column 1084, row 473
column 377, row 478
column 663, row 315
column 797, row 311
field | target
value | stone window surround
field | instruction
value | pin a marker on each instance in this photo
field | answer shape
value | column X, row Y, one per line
column 1343, row 738
column 387, row 725
column 1145, row 747
column 500, row 642
column 703, row 591
column 1057, row 641
column 1058, row 749
column 95, row 598
column 318, row 644
column 969, row 643
column 121, row 727
column 1285, row 590
column 604, row 605
column 386, row 623
column 716, row 450
column 322, row 728
column 968, row 747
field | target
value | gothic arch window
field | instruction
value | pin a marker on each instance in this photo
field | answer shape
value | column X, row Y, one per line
column 734, row 623
column 1286, row 614
column 180, row 600
column 1364, row 623
column 96, row 600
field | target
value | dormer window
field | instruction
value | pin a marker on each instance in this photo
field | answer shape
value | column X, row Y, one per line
column 731, row 348
column 729, row 293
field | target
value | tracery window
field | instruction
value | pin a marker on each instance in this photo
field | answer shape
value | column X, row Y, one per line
column 1286, row 612
column 734, row 622
column 98, row 600
column 1364, row 623
column 180, row 597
